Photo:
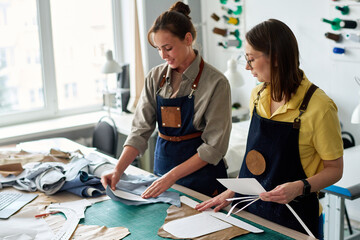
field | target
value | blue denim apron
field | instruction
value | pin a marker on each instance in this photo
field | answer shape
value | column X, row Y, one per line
column 278, row 143
column 169, row 154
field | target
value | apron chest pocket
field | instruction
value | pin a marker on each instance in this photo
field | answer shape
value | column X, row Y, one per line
column 171, row 117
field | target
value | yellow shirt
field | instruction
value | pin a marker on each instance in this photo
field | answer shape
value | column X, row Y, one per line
column 320, row 133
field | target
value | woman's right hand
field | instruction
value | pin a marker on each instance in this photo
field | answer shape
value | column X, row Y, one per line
column 219, row 201
column 111, row 179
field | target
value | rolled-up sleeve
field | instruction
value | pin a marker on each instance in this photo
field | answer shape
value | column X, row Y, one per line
column 144, row 121
column 217, row 117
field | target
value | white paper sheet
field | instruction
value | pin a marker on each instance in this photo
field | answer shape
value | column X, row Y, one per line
column 195, row 226
column 128, row 196
column 24, row 225
column 236, row 222
column 222, row 216
column 246, row 186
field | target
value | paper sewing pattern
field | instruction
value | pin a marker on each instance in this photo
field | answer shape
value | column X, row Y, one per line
column 204, row 223
column 128, row 196
column 195, row 226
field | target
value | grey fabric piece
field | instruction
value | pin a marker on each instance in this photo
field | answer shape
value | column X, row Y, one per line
column 76, row 165
column 102, row 169
column 98, row 165
column 34, row 172
column 50, row 181
column 137, row 184
column 25, row 185
column 11, row 180
column 40, row 167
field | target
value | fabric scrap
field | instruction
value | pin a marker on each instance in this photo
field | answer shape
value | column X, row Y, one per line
column 137, row 184
column 85, row 232
column 84, row 185
column 11, row 169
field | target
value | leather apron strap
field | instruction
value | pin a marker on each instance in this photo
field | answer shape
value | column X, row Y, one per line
column 304, row 104
column 180, row 138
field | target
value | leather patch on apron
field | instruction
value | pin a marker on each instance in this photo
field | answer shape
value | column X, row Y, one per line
column 171, row 117
column 255, row 162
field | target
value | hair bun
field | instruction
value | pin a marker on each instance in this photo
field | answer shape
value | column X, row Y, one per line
column 182, row 8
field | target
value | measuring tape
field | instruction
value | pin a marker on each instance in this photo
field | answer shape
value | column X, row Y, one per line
column 72, row 220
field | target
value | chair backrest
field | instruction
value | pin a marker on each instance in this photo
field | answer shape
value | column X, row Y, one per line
column 105, row 136
column 348, row 139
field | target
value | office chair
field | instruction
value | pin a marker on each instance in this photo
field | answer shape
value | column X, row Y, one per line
column 105, row 136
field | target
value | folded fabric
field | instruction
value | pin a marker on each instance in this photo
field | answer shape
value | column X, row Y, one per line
column 35, row 169
column 47, row 177
column 76, row 165
column 99, row 165
column 25, row 185
column 137, row 184
column 50, row 181
column 84, row 185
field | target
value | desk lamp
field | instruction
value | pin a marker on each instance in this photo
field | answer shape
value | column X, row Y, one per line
column 236, row 81
column 355, row 117
column 110, row 66
column 234, row 77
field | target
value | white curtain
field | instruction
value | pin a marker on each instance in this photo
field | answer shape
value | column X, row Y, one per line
column 136, row 64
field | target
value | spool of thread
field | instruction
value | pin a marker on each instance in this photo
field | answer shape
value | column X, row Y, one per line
column 221, row 31
column 232, row 20
column 215, row 17
column 348, row 24
column 233, row 43
column 338, row 50
column 236, row 33
column 335, row 24
column 344, row 10
column 353, row 37
column 222, row 45
column 332, row 36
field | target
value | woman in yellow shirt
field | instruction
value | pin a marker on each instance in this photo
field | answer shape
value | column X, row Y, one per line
column 294, row 147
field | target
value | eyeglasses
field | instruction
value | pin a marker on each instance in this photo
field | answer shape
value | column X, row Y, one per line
column 252, row 60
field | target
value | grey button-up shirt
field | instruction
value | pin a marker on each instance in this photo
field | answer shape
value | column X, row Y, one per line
column 212, row 108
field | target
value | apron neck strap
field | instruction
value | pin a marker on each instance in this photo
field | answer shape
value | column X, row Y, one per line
column 304, row 105
column 194, row 84
column 258, row 94
column 197, row 79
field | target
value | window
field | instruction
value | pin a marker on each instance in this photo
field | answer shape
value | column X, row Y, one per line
column 19, row 74
column 51, row 56
column 80, row 43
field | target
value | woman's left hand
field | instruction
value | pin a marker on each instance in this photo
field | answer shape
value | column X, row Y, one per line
column 283, row 193
column 158, row 187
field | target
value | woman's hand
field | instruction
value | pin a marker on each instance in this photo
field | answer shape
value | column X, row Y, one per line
column 158, row 187
column 219, row 201
column 127, row 156
column 111, row 179
column 283, row 193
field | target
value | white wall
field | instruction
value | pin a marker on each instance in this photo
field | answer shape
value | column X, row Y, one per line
column 151, row 9
column 336, row 78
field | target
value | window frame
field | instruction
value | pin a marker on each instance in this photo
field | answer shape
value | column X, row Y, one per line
column 50, row 109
